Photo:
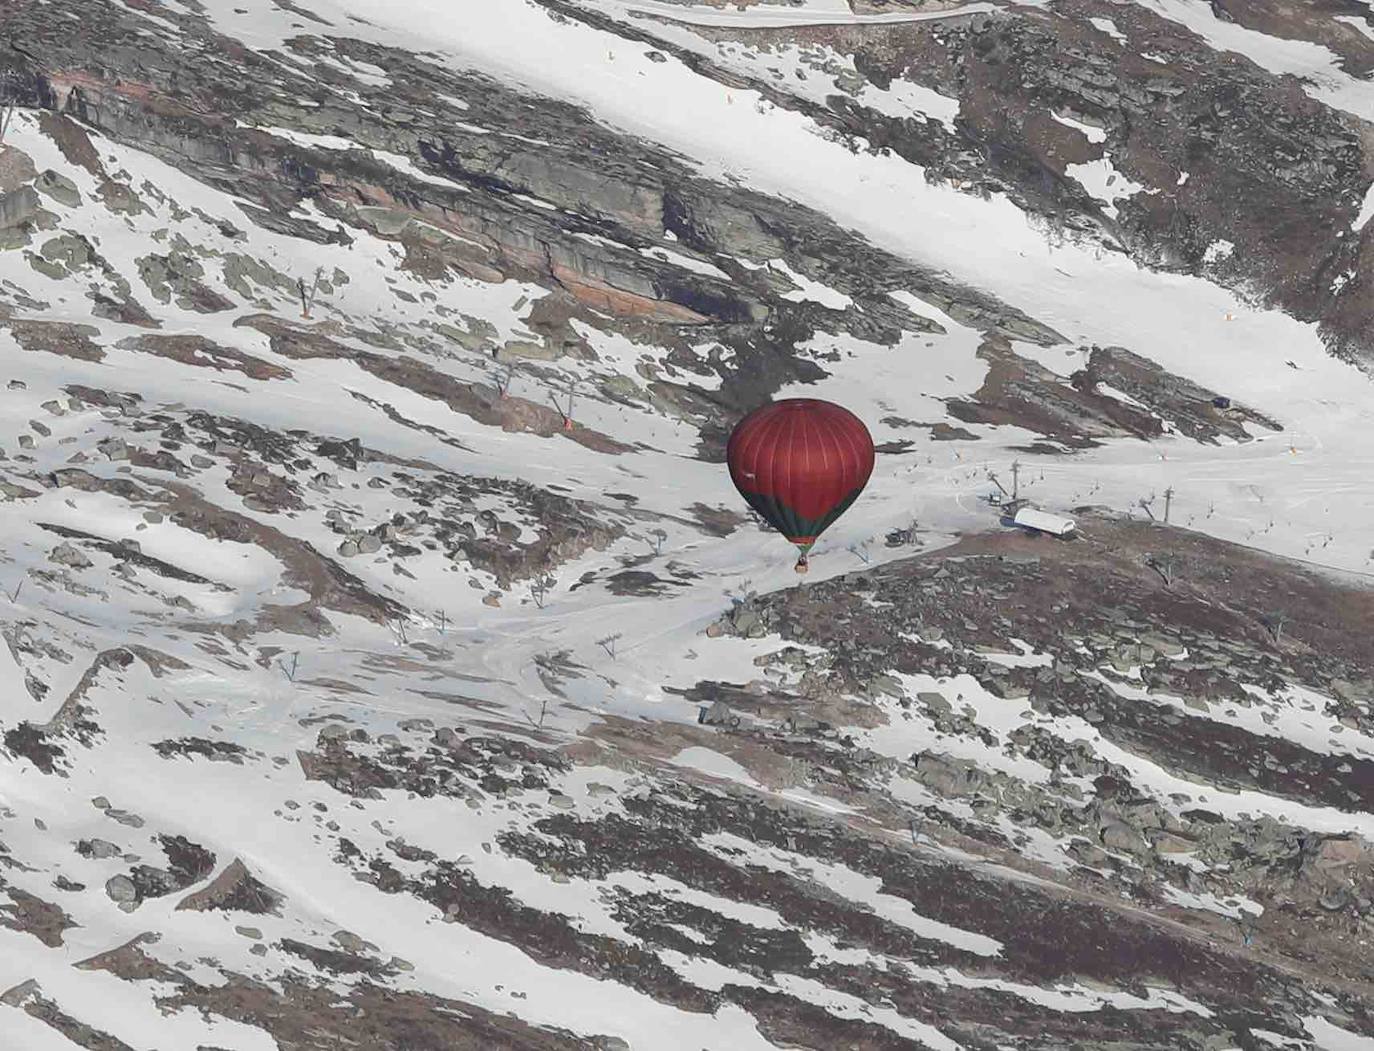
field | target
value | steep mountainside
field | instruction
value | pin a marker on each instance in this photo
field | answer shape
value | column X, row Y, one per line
column 389, row 663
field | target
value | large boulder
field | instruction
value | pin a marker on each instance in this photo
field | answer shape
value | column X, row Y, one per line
column 18, row 207
column 121, row 889
column 59, row 188
column 65, row 554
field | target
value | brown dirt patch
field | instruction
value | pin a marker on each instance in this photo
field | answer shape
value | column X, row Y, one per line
column 72, row 140
column 205, row 353
column 32, row 915
column 234, row 890
column 477, row 401
column 57, row 337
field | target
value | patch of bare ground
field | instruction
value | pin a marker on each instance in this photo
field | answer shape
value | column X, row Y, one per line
column 72, row 140
column 77, row 1032
column 123, row 551
column 637, row 742
column 451, row 762
column 307, row 1017
column 1022, row 393
column 891, row 6
column 204, row 353
column 125, row 311
column 42, row 744
column 564, row 528
column 337, row 961
column 1192, row 408
column 547, row 937
column 215, row 751
column 484, row 404
column 132, row 964
column 1221, row 606
column 86, row 482
column 16, row 168
column 940, row 432
column 1048, row 936
column 235, row 889
column 1326, row 616
column 56, row 337
column 1339, row 26
column 32, row 915
column 1226, row 615
column 329, row 585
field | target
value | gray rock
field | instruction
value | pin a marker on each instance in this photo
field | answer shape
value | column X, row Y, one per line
column 746, row 622
column 369, row 543
column 120, row 198
column 67, row 250
column 58, row 187
column 1117, row 835
column 350, row 942
column 66, row 554
column 934, row 702
column 952, row 777
column 1168, row 843
column 524, row 349
column 121, row 889
column 1162, row 644
column 16, row 996
column 348, row 548
column 446, row 737
column 18, row 207
column 717, row 714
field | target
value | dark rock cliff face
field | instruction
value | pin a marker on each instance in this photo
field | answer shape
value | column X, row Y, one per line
column 564, row 202
column 1223, row 149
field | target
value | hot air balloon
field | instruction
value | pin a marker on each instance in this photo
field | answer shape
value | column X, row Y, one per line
column 800, row 463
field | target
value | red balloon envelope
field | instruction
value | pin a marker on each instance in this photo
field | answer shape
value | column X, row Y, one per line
column 800, row 463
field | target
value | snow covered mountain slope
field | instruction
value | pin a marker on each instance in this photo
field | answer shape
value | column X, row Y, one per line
column 389, row 663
